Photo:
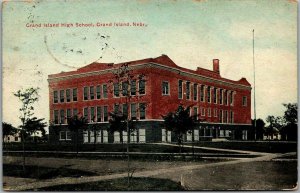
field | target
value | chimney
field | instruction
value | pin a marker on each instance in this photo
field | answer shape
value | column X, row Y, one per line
column 216, row 66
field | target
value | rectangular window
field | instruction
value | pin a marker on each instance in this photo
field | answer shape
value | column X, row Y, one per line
column 195, row 112
column 133, row 111
column 202, row 93
column 68, row 93
column 142, row 86
column 133, row 87
column 92, row 93
column 142, row 135
column 142, row 111
column 104, row 91
column 116, row 108
column 105, row 136
column 92, row 109
column 125, row 88
column 86, row 114
column 231, row 98
column 99, row 114
column 98, row 136
column 62, row 116
column 202, row 111
column 69, row 113
column 221, row 97
column 75, row 112
column 209, row 112
column 68, row 135
column 85, row 137
column 125, row 109
column 220, row 116
column 165, row 88
column 117, row 137
column 231, row 117
column 244, row 101
column 215, row 112
column 225, row 97
column 208, row 94
column 56, row 117
column 55, row 97
column 215, row 95
column 188, row 90
column 133, row 136
column 116, row 90
column 74, row 94
column 105, row 113
column 62, row 96
column 62, row 135
column 98, row 92
column 85, row 93
column 195, row 92
column 124, row 136
column 225, row 116
column 180, row 89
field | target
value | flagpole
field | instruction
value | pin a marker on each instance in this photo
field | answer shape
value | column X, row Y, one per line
column 254, row 102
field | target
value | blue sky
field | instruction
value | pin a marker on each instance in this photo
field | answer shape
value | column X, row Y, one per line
column 191, row 33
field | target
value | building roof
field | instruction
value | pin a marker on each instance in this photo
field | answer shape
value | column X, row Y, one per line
column 162, row 60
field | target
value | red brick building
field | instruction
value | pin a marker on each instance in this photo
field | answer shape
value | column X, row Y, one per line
column 223, row 104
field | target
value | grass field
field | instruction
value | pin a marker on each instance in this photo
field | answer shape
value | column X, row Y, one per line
column 40, row 172
column 245, row 176
column 259, row 146
column 137, row 184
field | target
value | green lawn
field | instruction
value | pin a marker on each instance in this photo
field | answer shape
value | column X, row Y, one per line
column 137, row 184
column 259, row 146
column 269, row 175
column 39, row 172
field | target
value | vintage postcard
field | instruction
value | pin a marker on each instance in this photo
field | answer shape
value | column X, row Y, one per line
column 149, row 95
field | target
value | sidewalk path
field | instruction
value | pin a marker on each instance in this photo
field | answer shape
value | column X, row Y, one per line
column 159, row 172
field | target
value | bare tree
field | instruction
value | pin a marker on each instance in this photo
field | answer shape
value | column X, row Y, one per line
column 124, row 83
column 27, row 97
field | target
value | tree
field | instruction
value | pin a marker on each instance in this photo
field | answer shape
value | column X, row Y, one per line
column 27, row 97
column 76, row 124
column 290, row 121
column 180, row 122
column 275, row 124
column 7, row 130
column 124, row 83
column 34, row 125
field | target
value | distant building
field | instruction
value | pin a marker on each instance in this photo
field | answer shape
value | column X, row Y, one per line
column 223, row 104
column 12, row 138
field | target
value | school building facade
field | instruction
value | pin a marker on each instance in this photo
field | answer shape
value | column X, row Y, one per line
column 223, row 105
